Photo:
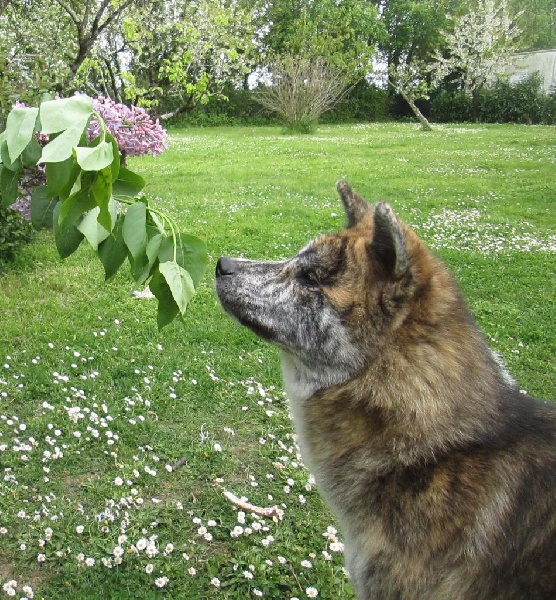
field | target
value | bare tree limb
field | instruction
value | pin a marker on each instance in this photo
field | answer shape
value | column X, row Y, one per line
column 111, row 18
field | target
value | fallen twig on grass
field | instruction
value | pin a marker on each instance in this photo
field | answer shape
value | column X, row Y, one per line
column 269, row 511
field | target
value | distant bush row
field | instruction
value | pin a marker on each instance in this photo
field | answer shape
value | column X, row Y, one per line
column 522, row 102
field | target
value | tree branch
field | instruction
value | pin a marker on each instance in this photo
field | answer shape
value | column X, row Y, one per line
column 95, row 27
column 111, row 18
column 72, row 15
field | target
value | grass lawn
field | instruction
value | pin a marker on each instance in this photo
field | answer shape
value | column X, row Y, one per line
column 117, row 441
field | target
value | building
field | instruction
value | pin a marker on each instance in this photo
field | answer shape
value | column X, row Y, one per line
column 527, row 63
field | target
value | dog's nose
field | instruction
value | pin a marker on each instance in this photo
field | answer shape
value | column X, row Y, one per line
column 225, row 266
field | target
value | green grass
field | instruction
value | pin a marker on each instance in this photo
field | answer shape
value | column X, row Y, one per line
column 84, row 370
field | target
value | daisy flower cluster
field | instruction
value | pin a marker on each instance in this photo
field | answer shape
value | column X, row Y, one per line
column 89, row 489
column 470, row 229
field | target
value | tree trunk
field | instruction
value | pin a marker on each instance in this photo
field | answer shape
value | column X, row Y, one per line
column 475, row 105
column 425, row 125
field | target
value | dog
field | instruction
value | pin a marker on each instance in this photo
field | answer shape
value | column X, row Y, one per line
column 440, row 472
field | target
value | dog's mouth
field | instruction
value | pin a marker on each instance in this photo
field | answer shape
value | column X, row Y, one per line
column 245, row 319
column 242, row 316
column 258, row 329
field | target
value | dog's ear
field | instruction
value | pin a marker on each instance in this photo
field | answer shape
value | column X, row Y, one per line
column 388, row 243
column 356, row 208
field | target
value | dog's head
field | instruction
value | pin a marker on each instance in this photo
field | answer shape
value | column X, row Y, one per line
column 332, row 305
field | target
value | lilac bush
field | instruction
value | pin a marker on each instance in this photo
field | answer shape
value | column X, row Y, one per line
column 135, row 132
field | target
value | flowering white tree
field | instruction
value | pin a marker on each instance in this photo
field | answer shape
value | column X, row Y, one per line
column 480, row 45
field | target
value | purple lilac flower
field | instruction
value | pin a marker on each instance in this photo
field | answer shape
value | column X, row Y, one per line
column 133, row 129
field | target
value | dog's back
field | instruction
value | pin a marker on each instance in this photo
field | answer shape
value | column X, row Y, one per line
column 441, row 473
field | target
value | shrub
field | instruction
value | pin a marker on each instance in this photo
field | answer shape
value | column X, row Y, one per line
column 521, row 102
column 451, row 107
column 14, row 232
column 503, row 102
column 90, row 195
column 363, row 102
column 135, row 132
column 549, row 108
column 302, row 90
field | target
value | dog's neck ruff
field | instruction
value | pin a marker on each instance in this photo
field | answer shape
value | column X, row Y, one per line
column 302, row 381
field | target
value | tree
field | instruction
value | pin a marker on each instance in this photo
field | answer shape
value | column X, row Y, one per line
column 90, row 19
column 537, row 24
column 343, row 32
column 302, row 89
column 176, row 52
column 409, row 79
column 54, row 44
column 30, row 61
column 411, row 30
column 185, row 52
column 479, row 45
column 410, row 34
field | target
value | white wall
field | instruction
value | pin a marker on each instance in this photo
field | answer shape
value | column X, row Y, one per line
column 527, row 63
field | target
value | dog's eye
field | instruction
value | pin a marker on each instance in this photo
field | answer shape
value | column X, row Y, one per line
column 307, row 278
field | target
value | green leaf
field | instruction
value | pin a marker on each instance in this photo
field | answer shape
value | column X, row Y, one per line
column 20, row 127
column 95, row 159
column 58, row 176
column 6, row 160
column 191, row 254
column 157, row 222
column 32, row 153
column 115, row 166
column 58, row 115
column 62, row 146
column 168, row 310
column 153, row 247
column 113, row 251
column 42, row 208
column 91, row 229
column 8, row 185
column 67, row 239
column 73, row 178
column 80, row 200
column 134, row 229
column 102, row 193
column 128, row 184
column 140, row 268
column 180, row 283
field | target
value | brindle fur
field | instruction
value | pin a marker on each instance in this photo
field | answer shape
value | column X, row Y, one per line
column 440, row 472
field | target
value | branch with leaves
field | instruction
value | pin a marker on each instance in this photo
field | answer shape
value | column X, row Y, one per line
column 90, row 195
column 90, row 20
column 409, row 79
